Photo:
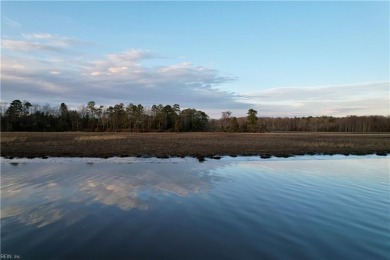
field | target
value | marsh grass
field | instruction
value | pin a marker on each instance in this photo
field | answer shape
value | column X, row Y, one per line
column 8, row 139
column 99, row 137
column 200, row 145
column 327, row 144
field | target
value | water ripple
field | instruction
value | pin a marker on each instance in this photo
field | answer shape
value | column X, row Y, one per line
column 323, row 207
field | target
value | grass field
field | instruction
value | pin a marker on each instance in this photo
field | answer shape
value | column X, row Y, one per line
column 200, row 145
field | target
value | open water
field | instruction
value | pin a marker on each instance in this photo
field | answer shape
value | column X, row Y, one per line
column 317, row 207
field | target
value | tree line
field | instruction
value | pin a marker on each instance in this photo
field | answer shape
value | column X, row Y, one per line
column 252, row 123
column 25, row 116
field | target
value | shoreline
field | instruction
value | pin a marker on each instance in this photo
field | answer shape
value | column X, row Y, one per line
column 174, row 160
column 198, row 145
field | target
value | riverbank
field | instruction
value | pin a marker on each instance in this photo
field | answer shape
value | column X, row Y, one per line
column 199, row 145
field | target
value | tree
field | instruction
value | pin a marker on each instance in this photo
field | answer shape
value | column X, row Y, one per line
column 91, row 109
column 193, row 120
column 15, row 109
column 131, row 111
column 134, row 115
column 91, row 112
column 13, row 114
column 120, row 116
column 158, row 117
column 234, row 125
column 26, row 107
column 225, row 120
column 63, row 109
column 252, row 119
column 170, row 117
column 176, row 108
column 64, row 123
column 99, row 114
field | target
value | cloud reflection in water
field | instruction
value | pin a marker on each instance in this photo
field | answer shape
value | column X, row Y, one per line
column 48, row 192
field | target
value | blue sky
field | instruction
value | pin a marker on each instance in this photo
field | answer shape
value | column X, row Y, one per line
column 281, row 58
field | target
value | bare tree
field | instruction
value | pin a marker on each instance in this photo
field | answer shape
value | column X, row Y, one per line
column 225, row 120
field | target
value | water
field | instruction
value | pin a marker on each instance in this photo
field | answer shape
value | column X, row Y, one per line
column 324, row 207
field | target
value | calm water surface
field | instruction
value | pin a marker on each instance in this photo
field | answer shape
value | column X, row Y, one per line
column 323, row 207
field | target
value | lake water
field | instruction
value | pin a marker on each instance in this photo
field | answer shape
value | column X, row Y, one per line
column 318, row 207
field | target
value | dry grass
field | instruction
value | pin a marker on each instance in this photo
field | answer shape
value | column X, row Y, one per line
column 99, row 137
column 327, row 144
column 10, row 139
column 81, row 144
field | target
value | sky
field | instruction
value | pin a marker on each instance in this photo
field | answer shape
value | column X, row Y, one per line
column 280, row 58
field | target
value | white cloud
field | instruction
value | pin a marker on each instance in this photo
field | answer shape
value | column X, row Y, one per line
column 124, row 63
column 38, row 36
column 37, row 67
column 95, row 73
column 109, row 79
column 116, row 70
column 130, row 56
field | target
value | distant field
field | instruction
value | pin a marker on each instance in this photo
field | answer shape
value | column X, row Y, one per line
column 200, row 145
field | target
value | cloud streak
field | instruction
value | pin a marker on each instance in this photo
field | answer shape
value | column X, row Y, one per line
column 24, row 46
column 39, row 43
column 11, row 23
column 342, row 100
